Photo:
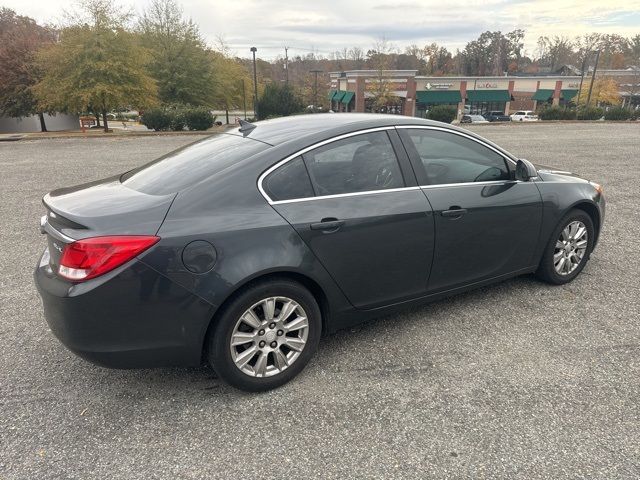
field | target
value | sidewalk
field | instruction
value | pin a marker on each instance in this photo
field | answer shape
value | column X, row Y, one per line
column 100, row 133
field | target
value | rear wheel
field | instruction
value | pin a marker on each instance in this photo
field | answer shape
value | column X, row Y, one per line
column 266, row 335
column 568, row 249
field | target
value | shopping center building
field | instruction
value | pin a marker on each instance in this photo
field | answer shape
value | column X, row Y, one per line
column 413, row 95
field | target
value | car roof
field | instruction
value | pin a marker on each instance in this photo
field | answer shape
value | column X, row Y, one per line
column 281, row 130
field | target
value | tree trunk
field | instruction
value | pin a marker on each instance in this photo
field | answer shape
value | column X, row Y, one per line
column 104, row 120
column 97, row 119
column 227, row 114
column 43, row 126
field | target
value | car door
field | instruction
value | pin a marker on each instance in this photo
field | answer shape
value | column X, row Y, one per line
column 361, row 213
column 487, row 224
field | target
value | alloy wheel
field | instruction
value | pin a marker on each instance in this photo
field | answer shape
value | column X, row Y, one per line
column 570, row 248
column 269, row 336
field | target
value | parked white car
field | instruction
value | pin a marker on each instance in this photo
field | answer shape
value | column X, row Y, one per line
column 524, row 116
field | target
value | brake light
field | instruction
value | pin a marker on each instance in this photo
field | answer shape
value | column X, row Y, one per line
column 92, row 257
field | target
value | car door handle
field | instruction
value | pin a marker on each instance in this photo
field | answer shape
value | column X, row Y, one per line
column 327, row 224
column 454, row 212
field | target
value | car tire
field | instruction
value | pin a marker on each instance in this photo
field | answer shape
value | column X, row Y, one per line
column 227, row 359
column 548, row 270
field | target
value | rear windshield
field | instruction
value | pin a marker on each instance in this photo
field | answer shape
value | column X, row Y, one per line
column 188, row 165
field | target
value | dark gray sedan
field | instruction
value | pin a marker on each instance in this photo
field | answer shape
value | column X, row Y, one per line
column 242, row 249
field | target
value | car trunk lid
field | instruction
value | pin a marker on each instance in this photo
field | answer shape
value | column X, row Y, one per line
column 99, row 209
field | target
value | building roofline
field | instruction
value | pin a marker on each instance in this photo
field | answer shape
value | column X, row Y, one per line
column 500, row 77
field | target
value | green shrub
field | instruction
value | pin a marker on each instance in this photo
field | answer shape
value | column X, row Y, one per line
column 443, row 113
column 158, row 119
column 199, row 118
column 557, row 113
column 589, row 113
column 635, row 115
column 178, row 120
column 277, row 101
column 617, row 113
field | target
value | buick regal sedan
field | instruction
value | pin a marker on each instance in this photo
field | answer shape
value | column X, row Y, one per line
column 242, row 249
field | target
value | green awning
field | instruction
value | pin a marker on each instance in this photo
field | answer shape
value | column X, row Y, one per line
column 542, row 95
column 331, row 94
column 347, row 97
column 438, row 96
column 338, row 95
column 488, row 95
column 568, row 94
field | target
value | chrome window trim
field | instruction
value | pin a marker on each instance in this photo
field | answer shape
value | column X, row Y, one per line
column 339, row 195
column 312, row 147
column 369, row 192
column 503, row 154
column 467, row 184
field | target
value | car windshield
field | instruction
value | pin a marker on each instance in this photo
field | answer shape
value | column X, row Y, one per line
column 186, row 166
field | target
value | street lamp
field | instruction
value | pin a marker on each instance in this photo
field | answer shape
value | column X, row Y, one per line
column 255, row 83
column 315, row 89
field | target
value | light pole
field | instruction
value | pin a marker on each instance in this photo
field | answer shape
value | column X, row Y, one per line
column 315, row 89
column 255, row 83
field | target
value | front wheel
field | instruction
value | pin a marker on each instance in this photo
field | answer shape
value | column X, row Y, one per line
column 568, row 249
column 266, row 335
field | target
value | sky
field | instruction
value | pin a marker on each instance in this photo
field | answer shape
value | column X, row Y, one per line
column 324, row 26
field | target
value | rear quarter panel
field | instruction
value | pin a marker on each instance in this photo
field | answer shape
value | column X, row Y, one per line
column 250, row 238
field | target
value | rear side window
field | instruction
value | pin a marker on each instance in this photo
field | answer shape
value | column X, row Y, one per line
column 288, row 182
column 359, row 163
column 188, row 165
column 450, row 158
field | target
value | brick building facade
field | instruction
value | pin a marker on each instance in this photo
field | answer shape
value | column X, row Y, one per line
column 413, row 95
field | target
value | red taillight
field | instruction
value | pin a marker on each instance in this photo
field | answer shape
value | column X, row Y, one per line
column 91, row 257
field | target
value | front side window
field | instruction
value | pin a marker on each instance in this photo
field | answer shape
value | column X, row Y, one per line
column 450, row 158
column 289, row 181
column 359, row 163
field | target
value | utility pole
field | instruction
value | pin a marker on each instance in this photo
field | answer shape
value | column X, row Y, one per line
column 255, row 83
column 584, row 61
column 593, row 77
column 286, row 65
column 315, row 89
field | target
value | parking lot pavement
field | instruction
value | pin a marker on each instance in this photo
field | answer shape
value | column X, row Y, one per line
column 516, row 380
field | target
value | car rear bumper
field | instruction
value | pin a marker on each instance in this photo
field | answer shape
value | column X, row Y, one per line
column 132, row 317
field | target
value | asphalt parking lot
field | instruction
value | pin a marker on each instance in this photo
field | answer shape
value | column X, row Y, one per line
column 516, row 380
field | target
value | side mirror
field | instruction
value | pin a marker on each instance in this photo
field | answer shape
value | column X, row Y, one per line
column 525, row 170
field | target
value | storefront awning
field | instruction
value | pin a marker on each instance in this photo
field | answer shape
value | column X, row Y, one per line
column 568, row 94
column 347, row 97
column 488, row 96
column 338, row 95
column 433, row 97
column 542, row 95
column 331, row 94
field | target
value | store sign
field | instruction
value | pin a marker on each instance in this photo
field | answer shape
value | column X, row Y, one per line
column 573, row 85
column 439, row 86
column 487, row 85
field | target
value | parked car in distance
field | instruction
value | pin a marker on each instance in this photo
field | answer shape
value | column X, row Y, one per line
column 242, row 249
column 524, row 116
column 473, row 119
column 497, row 116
